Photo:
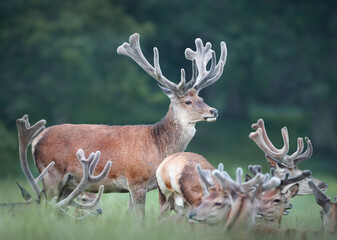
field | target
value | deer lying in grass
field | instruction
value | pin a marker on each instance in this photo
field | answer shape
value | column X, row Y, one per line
column 329, row 211
column 283, row 163
column 27, row 134
column 178, row 182
column 273, row 203
column 241, row 212
column 131, row 148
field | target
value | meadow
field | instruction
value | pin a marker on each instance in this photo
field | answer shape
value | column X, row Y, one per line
column 117, row 223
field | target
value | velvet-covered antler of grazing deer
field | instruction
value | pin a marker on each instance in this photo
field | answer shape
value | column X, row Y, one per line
column 27, row 134
column 279, row 159
column 88, row 179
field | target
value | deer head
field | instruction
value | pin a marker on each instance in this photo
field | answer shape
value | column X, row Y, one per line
column 283, row 163
column 85, row 198
column 185, row 101
column 273, row 203
column 216, row 204
column 329, row 209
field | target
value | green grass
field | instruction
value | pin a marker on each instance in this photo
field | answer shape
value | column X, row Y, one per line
column 228, row 145
column 116, row 223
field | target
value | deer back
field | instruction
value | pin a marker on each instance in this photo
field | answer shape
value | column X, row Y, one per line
column 178, row 175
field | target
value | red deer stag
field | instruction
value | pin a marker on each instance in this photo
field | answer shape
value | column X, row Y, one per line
column 135, row 151
column 329, row 211
column 273, row 203
column 27, row 134
column 282, row 162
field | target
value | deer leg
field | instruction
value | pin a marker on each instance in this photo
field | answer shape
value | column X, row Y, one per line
column 166, row 205
column 137, row 199
column 130, row 208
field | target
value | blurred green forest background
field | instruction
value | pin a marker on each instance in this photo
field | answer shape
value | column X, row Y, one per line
column 58, row 62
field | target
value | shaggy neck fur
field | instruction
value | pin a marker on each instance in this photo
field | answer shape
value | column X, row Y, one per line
column 174, row 132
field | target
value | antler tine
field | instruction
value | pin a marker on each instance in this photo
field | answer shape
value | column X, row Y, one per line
column 205, row 179
column 226, row 181
column 255, row 169
column 289, row 160
column 253, row 182
column 320, row 196
column 202, row 56
column 44, row 172
column 88, row 179
column 286, row 180
column 220, row 167
column 270, row 183
column 26, row 134
column 306, row 155
column 133, row 50
column 239, row 176
column 261, row 139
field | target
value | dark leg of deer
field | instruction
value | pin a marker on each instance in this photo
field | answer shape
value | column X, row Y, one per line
column 138, row 198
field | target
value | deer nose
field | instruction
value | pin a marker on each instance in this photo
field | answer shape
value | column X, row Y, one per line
column 99, row 211
column 214, row 112
column 191, row 214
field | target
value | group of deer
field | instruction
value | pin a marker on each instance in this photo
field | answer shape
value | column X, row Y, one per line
column 192, row 187
column 138, row 158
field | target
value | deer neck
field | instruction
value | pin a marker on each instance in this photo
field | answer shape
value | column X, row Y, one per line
column 173, row 133
column 242, row 214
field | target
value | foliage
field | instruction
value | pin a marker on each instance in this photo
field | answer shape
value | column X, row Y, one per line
column 58, row 61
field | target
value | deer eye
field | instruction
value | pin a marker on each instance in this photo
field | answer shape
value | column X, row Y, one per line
column 188, row 102
column 277, row 200
column 84, row 200
column 217, row 204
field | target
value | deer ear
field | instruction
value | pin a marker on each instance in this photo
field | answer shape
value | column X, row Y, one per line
column 271, row 162
column 167, row 91
column 292, row 191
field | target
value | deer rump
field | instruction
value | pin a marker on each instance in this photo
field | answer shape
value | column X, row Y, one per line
column 131, row 150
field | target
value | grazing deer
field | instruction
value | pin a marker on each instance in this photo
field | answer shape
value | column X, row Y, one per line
column 27, row 134
column 283, row 163
column 178, row 182
column 244, row 195
column 329, row 211
column 273, row 203
column 135, row 151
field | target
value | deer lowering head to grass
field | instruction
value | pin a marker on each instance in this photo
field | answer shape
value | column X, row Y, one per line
column 135, row 151
column 178, row 182
column 241, row 212
column 282, row 162
column 273, row 203
column 27, row 134
column 329, row 209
